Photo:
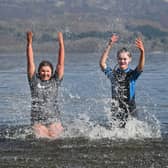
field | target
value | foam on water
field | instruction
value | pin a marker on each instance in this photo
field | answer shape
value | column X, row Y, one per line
column 146, row 125
column 134, row 129
column 82, row 124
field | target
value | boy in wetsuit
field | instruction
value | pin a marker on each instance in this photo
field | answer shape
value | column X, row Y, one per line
column 123, row 80
column 44, row 83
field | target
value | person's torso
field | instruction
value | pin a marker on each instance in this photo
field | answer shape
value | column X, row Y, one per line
column 121, row 85
column 44, row 94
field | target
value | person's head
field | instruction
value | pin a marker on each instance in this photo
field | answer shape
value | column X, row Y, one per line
column 124, row 57
column 45, row 70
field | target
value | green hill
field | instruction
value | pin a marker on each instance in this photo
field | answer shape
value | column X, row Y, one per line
column 86, row 24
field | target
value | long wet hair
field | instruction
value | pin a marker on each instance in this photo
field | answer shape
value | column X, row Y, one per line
column 45, row 63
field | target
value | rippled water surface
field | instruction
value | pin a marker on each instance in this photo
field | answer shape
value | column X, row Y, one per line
column 84, row 97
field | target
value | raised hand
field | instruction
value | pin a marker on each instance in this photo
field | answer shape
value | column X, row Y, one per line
column 60, row 63
column 139, row 44
column 29, row 37
column 60, row 37
column 113, row 39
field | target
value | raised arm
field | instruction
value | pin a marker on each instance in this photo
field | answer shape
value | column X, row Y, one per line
column 60, row 64
column 103, row 59
column 140, row 46
column 30, row 56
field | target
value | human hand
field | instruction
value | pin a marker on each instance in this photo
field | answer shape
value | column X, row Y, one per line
column 113, row 39
column 60, row 37
column 139, row 44
column 29, row 36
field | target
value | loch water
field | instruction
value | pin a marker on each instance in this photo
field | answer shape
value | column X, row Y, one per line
column 85, row 99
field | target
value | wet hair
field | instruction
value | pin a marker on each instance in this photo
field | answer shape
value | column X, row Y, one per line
column 123, row 50
column 45, row 63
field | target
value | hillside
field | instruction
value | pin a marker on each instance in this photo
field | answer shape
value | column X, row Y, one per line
column 85, row 24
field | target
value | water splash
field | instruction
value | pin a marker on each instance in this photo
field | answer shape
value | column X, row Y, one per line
column 134, row 129
column 82, row 124
column 86, row 112
column 16, row 132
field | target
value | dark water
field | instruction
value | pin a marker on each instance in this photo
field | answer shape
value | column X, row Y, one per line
column 83, row 153
column 85, row 108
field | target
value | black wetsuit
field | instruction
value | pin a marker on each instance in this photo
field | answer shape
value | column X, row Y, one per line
column 123, row 92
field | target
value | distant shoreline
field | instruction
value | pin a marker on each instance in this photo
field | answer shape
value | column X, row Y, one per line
column 88, row 45
column 21, row 53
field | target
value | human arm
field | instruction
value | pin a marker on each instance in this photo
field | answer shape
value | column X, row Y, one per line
column 140, row 46
column 103, row 59
column 30, row 55
column 61, row 55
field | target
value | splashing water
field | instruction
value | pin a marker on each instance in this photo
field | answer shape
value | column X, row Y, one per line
column 91, row 117
column 85, row 106
column 134, row 129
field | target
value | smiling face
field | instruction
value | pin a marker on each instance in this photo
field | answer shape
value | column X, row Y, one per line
column 124, row 59
column 45, row 73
